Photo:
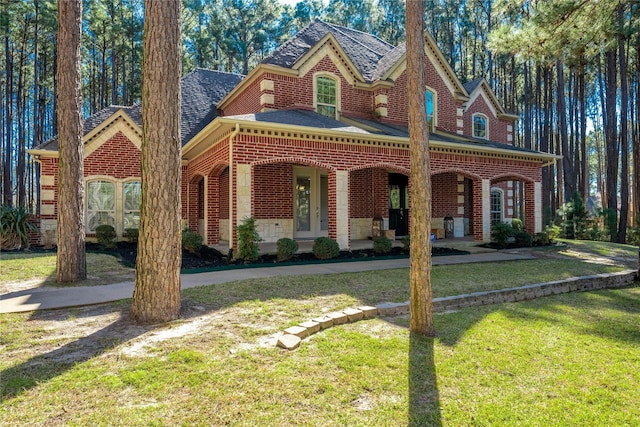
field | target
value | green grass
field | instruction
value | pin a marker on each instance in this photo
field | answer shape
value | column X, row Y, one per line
column 41, row 267
column 563, row 360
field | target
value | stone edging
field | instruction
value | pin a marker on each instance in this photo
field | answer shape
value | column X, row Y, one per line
column 292, row 336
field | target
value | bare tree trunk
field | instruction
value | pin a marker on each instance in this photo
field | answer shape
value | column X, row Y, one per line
column 156, row 297
column 612, row 148
column 7, row 187
column 624, row 133
column 71, row 260
column 567, row 167
column 421, row 316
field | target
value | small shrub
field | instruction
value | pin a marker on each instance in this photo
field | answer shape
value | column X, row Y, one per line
column 501, row 233
column 522, row 238
column 406, row 243
column 325, row 248
column 286, row 248
column 106, row 236
column 382, row 245
column 541, row 239
column 248, row 239
column 191, row 242
column 552, row 231
column 131, row 234
column 15, row 227
column 517, row 225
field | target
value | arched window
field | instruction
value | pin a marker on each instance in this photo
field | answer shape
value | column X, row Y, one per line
column 480, row 126
column 101, row 204
column 496, row 206
column 430, row 106
column 326, row 92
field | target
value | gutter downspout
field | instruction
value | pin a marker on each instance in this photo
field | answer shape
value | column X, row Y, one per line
column 233, row 134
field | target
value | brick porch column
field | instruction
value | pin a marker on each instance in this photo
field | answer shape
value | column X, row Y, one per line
column 339, row 208
column 243, row 199
column 533, row 207
column 212, row 212
column 482, row 210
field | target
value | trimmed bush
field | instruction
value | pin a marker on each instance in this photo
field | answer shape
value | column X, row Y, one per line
column 191, row 242
column 382, row 245
column 522, row 238
column 286, row 248
column 552, row 231
column 325, row 248
column 541, row 239
column 15, row 227
column 248, row 239
column 501, row 233
column 406, row 243
column 106, row 236
column 131, row 234
column 517, row 225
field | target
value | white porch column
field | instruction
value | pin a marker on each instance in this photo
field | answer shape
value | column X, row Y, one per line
column 537, row 206
column 342, row 209
column 243, row 195
column 486, row 210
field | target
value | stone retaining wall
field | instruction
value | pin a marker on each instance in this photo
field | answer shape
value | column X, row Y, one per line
column 292, row 336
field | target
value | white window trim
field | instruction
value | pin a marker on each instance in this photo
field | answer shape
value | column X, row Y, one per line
column 119, row 201
column 337, row 80
column 496, row 190
column 434, row 96
column 473, row 127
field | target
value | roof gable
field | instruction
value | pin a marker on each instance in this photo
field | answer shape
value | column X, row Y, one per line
column 363, row 50
column 480, row 88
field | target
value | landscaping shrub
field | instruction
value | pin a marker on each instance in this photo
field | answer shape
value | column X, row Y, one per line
column 15, row 227
column 575, row 218
column 248, row 239
column 382, row 245
column 541, row 239
column 325, row 248
column 406, row 243
column 522, row 238
column 191, row 242
column 552, row 231
column 106, row 236
column 517, row 225
column 131, row 234
column 286, row 248
column 501, row 233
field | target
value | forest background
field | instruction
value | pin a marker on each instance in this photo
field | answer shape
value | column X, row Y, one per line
column 569, row 68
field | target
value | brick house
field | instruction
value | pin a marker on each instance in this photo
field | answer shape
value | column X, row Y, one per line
column 314, row 142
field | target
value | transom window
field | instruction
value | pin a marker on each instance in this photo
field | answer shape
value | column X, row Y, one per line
column 430, row 106
column 480, row 126
column 326, row 98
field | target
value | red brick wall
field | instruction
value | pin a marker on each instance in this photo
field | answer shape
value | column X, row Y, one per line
column 444, row 195
column 224, row 194
column 118, row 157
column 49, row 167
column 497, row 127
column 446, row 105
column 247, row 101
column 272, row 191
column 361, row 198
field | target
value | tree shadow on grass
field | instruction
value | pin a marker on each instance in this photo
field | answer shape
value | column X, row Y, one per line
column 424, row 399
column 43, row 367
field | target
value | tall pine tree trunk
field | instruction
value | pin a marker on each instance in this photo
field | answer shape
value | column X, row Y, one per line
column 612, row 148
column 421, row 316
column 156, row 297
column 624, row 132
column 567, row 167
column 71, row 260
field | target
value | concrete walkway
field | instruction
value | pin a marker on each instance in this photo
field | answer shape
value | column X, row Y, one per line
column 53, row 297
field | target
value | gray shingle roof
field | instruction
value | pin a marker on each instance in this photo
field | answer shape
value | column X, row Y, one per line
column 364, row 50
column 472, row 85
column 201, row 90
column 389, row 60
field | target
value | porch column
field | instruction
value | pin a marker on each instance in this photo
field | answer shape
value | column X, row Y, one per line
column 533, row 206
column 212, row 212
column 342, row 209
column 243, row 198
column 482, row 210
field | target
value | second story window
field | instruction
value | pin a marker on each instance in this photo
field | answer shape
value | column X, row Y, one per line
column 480, row 126
column 326, row 97
column 430, row 106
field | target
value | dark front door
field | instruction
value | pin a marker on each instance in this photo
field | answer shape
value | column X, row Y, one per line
column 399, row 204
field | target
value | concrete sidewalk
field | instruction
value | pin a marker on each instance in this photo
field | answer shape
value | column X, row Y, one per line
column 52, row 297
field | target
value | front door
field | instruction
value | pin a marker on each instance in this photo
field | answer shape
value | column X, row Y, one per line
column 310, row 203
column 399, row 204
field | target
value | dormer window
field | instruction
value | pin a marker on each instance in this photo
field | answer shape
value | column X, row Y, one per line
column 326, row 96
column 430, row 106
column 480, row 126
